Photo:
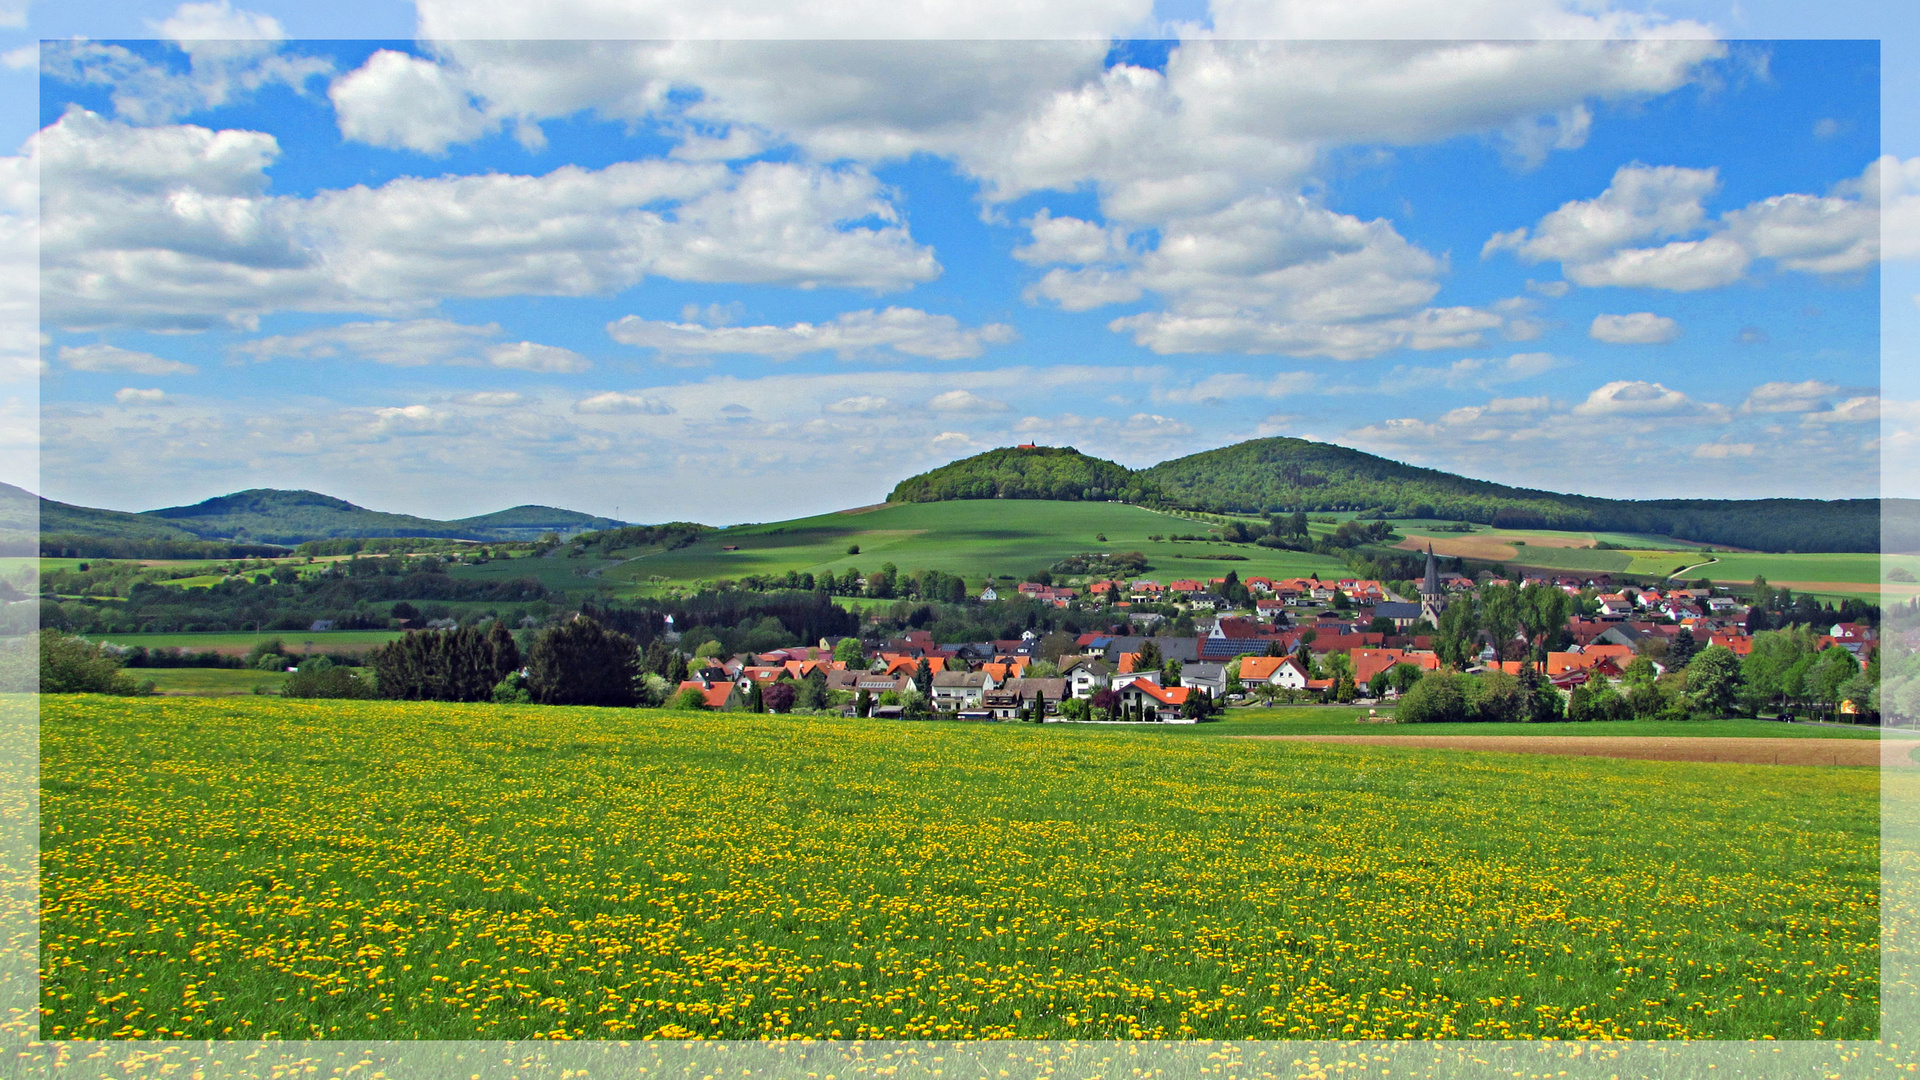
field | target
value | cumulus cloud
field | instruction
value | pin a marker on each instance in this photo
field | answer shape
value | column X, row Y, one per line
column 531, row 356
column 230, row 55
column 1639, row 328
column 1604, row 241
column 1630, row 397
column 491, row 399
column 1237, row 386
column 1721, row 450
column 1469, row 371
column 405, row 102
column 965, row 401
column 1865, row 409
column 1070, row 240
column 614, row 402
column 849, row 335
column 131, row 396
column 170, row 227
column 833, row 19
column 113, row 358
column 1782, row 397
column 862, row 405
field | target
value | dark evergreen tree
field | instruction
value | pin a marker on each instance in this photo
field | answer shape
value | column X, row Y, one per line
column 923, row 678
column 580, row 662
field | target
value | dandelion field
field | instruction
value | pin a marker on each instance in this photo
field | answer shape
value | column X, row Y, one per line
column 249, row 868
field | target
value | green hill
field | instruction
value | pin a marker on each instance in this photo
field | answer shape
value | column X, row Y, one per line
column 271, row 516
column 530, row 522
column 1026, row 472
column 1281, row 475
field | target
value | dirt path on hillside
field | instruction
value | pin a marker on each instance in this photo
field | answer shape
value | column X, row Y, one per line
column 1760, row 751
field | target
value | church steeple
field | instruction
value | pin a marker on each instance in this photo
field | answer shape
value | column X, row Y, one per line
column 1430, row 588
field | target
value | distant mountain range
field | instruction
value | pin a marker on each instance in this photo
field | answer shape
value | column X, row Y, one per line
column 1263, row 476
column 271, row 516
column 1281, row 475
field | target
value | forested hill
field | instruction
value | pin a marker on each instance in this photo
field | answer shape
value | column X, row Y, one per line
column 1026, row 472
column 1269, row 475
column 237, row 524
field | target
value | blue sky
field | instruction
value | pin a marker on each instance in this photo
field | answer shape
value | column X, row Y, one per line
column 752, row 280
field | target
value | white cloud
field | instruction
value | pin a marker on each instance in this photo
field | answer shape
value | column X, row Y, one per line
column 1627, row 397
column 1084, row 289
column 409, row 343
column 491, row 399
column 130, row 396
column 231, row 54
column 863, row 405
column 831, row 19
column 1521, row 19
column 1600, row 241
column 1140, row 428
column 852, row 334
column 1720, row 450
column 1470, row 371
column 169, row 227
column 529, row 356
column 194, row 24
column 1237, row 386
column 1070, row 240
column 965, row 401
column 404, row 102
column 1780, row 397
column 113, row 358
column 1853, row 410
column 1639, row 328
column 614, row 402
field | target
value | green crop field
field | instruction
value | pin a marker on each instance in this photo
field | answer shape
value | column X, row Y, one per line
column 322, row 641
column 973, row 538
column 207, row 682
column 1345, row 720
column 250, row 868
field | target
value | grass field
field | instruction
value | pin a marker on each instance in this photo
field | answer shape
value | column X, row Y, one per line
column 263, row 868
column 207, row 682
column 1825, row 574
column 975, row 539
column 239, row 642
column 1335, row 720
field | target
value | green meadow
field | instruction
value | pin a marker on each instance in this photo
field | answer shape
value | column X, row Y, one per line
column 257, row 868
column 1346, row 720
column 975, row 539
column 208, row 682
column 298, row 641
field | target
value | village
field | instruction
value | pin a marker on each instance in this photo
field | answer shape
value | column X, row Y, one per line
column 1299, row 641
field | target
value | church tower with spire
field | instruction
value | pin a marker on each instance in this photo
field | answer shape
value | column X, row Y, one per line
column 1433, row 599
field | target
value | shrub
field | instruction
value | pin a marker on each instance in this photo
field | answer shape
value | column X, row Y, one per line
column 322, row 678
column 1497, row 698
column 1440, row 697
column 74, row 665
column 688, row 698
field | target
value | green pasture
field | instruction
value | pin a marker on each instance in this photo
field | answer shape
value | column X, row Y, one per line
column 1344, row 720
column 556, row 572
column 973, row 538
column 207, row 682
column 263, row 868
column 239, row 642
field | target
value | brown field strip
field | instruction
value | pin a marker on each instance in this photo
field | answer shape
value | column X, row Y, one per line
column 1759, row 751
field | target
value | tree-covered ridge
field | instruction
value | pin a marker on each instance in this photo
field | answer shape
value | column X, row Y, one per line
column 1026, row 472
column 273, row 516
column 1284, row 475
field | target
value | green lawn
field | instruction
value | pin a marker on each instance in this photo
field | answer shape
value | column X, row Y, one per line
column 259, row 868
column 240, row 642
column 974, row 538
column 1339, row 720
column 208, row 682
